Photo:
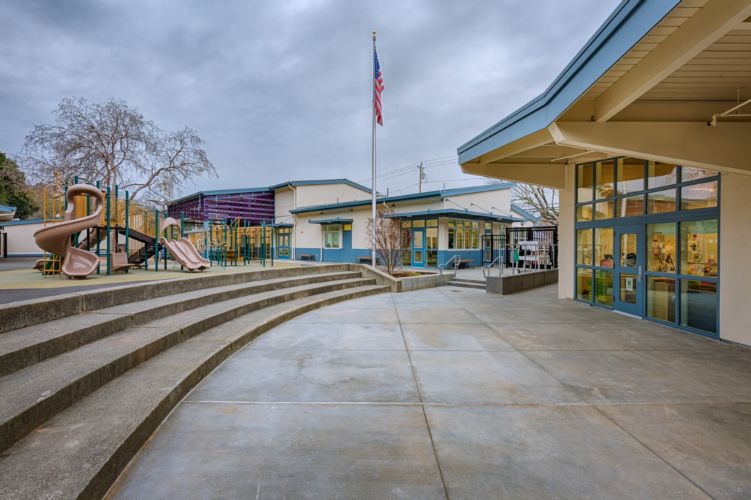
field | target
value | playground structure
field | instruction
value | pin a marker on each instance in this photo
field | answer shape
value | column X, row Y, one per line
column 103, row 228
column 234, row 242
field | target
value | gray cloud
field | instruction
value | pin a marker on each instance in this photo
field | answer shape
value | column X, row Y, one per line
column 281, row 90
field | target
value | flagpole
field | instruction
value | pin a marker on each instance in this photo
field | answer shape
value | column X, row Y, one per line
column 373, row 162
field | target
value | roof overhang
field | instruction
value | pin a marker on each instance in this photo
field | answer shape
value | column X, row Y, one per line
column 645, row 85
column 337, row 220
column 453, row 213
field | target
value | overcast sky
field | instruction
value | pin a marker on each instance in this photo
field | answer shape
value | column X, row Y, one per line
column 281, row 90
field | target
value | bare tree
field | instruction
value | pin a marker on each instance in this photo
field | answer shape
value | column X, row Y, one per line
column 114, row 144
column 539, row 200
column 388, row 240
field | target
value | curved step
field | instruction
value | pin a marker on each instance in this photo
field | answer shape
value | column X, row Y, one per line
column 32, row 395
column 80, row 452
column 35, row 311
column 32, row 344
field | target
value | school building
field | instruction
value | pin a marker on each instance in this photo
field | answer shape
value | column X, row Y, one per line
column 646, row 135
column 327, row 220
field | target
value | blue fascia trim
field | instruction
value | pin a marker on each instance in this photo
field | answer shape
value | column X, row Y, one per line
column 628, row 24
column 409, row 197
column 22, row 222
column 318, row 182
column 454, row 213
column 528, row 216
column 7, row 208
column 12, row 255
column 336, row 220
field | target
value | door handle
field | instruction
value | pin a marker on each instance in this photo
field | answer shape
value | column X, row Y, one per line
column 638, row 274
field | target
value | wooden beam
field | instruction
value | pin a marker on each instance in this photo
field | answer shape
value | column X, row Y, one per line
column 551, row 175
column 531, row 141
column 700, row 31
column 725, row 147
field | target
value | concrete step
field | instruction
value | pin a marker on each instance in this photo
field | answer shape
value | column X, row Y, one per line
column 467, row 280
column 30, row 396
column 477, row 285
column 80, row 452
column 33, row 312
column 32, row 344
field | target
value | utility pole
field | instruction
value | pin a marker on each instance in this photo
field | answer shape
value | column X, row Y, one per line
column 421, row 169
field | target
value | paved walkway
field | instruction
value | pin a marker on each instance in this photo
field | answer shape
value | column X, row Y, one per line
column 455, row 393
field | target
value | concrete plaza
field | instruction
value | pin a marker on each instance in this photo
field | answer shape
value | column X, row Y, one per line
column 454, row 393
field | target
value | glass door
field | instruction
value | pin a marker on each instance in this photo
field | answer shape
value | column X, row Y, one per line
column 418, row 247
column 629, row 269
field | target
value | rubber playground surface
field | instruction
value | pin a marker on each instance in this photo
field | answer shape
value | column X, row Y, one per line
column 21, row 282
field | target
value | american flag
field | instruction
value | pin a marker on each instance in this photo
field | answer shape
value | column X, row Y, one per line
column 378, row 88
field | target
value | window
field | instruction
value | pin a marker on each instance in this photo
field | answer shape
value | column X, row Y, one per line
column 584, row 284
column 332, row 236
column 661, row 247
column 661, row 201
column 661, row 174
column 406, row 243
column 604, row 210
column 630, row 175
column 693, row 173
column 703, row 195
column 604, row 247
column 584, row 213
column 661, row 298
column 699, row 305
column 584, row 247
column 464, row 234
column 630, row 206
column 431, row 243
column 584, row 183
column 699, row 255
column 604, row 288
column 605, row 179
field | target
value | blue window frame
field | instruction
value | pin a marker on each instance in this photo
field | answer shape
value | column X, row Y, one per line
column 674, row 212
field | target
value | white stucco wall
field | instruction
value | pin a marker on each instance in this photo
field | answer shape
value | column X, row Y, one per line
column 735, row 261
column 500, row 199
column 566, row 235
column 21, row 239
column 320, row 194
column 284, row 201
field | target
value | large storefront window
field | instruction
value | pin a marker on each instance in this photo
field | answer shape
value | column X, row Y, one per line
column 630, row 175
column 661, row 174
column 699, row 305
column 661, row 298
column 661, row 251
column 696, row 196
column 463, row 235
column 584, row 247
column 699, row 248
column 604, row 247
column 665, row 263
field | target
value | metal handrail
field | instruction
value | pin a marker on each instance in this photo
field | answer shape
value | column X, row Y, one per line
column 455, row 258
column 486, row 269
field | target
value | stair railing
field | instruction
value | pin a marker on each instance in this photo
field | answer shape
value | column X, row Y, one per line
column 455, row 259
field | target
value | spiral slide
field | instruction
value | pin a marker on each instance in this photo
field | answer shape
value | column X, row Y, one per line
column 77, row 263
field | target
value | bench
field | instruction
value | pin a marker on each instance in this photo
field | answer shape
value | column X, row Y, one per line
column 463, row 263
column 307, row 257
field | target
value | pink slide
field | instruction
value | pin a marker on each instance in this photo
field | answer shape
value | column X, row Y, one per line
column 183, row 250
column 77, row 263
